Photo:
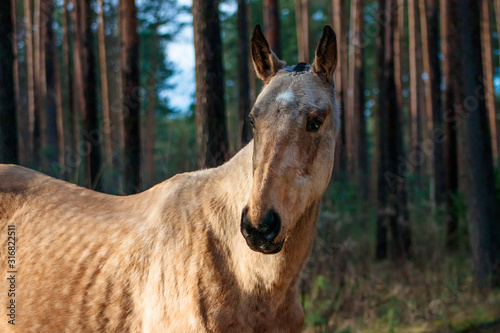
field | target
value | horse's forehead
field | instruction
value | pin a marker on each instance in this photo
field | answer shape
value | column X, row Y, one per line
column 288, row 92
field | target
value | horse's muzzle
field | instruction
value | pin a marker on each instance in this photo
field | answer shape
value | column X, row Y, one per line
column 262, row 238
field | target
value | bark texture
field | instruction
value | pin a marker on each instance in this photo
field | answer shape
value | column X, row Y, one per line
column 488, row 72
column 103, row 70
column 129, row 50
column 212, row 138
column 392, row 206
column 272, row 25
column 482, row 204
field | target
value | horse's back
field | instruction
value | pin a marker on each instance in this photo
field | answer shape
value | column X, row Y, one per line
column 16, row 183
column 71, row 248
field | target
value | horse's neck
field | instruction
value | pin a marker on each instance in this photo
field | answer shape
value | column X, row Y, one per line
column 253, row 270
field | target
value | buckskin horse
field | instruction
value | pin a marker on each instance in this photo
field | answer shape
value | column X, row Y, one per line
column 216, row 250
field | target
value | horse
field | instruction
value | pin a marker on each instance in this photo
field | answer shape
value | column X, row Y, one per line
column 215, row 250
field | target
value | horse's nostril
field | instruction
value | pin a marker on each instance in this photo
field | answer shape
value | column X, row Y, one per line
column 271, row 225
column 267, row 230
column 262, row 238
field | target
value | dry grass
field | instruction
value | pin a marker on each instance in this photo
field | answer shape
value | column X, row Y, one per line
column 345, row 290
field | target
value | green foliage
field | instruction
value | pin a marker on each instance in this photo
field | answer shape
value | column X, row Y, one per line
column 174, row 144
column 157, row 27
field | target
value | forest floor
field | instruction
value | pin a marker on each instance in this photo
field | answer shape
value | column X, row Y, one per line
column 394, row 305
column 344, row 290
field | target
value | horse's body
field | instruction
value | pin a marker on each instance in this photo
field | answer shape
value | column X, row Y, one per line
column 173, row 258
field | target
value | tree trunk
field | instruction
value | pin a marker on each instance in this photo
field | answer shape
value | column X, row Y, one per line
column 44, row 113
column 131, row 107
column 70, row 160
column 415, row 100
column 339, row 23
column 272, row 25
column 85, row 65
column 434, row 130
column 302, row 23
column 38, row 140
column 383, row 216
column 392, row 207
column 20, row 112
column 488, row 72
column 103, row 69
column 482, row 205
column 351, row 117
column 210, row 111
column 398, row 54
column 8, row 121
column 356, row 131
column 30, row 83
column 359, row 93
column 52, row 108
column 497, row 15
column 451, row 78
column 61, row 138
column 244, row 129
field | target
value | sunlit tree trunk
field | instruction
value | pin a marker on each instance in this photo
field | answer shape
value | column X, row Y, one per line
column 488, row 72
column 426, row 85
column 482, row 204
column 244, row 130
column 415, row 80
column 212, row 138
column 302, row 23
column 272, row 24
column 103, row 70
column 129, row 41
column 398, row 57
column 8, row 121
column 426, row 63
column 451, row 66
column 434, row 128
column 85, row 86
column 30, row 89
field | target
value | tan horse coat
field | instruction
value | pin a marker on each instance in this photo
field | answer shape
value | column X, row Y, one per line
column 170, row 259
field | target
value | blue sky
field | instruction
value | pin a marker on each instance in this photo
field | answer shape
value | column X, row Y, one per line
column 181, row 53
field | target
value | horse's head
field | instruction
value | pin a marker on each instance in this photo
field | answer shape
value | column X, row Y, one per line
column 295, row 124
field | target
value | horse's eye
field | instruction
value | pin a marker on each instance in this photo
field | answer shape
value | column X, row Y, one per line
column 251, row 120
column 314, row 125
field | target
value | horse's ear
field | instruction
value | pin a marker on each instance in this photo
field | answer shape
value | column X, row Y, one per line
column 325, row 60
column 265, row 62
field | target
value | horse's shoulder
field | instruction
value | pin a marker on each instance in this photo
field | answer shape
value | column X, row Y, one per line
column 15, row 179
